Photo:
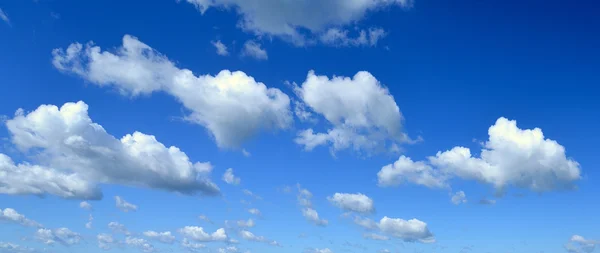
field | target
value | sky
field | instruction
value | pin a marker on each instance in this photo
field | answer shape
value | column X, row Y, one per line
column 310, row 126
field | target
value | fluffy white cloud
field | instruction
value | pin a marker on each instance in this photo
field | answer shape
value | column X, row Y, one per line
column 198, row 234
column 85, row 205
column 362, row 113
column 190, row 246
column 229, row 178
column 255, row 211
column 63, row 236
column 14, row 248
column 118, row 227
column 165, row 237
column 247, row 235
column 407, row 230
column 221, row 48
column 290, row 20
column 522, row 158
column 406, row 170
column 105, row 241
column 140, row 244
column 459, row 198
column 88, row 225
column 230, row 249
column 11, row 215
column 124, row 205
column 578, row 244
column 353, row 202
column 312, row 216
column 376, row 237
column 231, row 105
column 81, row 155
column 253, row 49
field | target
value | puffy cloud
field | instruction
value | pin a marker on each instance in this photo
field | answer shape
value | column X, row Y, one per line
column 6, row 247
column 358, row 202
column 87, row 155
column 63, row 236
column 229, row 178
column 118, row 228
column 190, row 246
column 198, row 234
column 230, row 249
column 231, row 105
column 459, row 198
column 124, row 205
column 11, row 215
column 253, row 49
column 297, row 21
column 312, row 216
column 579, row 244
column 247, row 235
column 105, row 241
column 523, row 158
column 362, row 113
column 376, row 237
column 140, row 244
column 88, row 225
column 165, row 237
column 407, row 230
column 221, row 48
column 405, row 170
column 85, row 205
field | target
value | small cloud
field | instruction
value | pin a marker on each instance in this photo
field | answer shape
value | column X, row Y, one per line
column 4, row 17
column 230, row 178
column 253, row 49
column 246, row 153
column 124, row 205
column 221, row 48
column 485, row 201
column 459, row 198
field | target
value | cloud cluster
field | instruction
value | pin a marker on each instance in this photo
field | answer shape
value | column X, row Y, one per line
column 299, row 22
column 63, row 236
column 407, row 230
column 522, row 158
column 362, row 113
column 197, row 234
column 231, row 105
column 79, row 154
column 358, row 202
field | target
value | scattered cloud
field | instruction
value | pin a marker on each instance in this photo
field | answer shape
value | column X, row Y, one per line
column 88, row 225
column 253, row 49
column 190, row 246
column 229, row 178
column 164, row 237
column 105, row 241
column 358, row 202
column 376, row 237
column 85, row 205
column 124, row 205
column 406, row 170
column 118, row 228
column 63, row 236
column 485, row 201
column 4, row 17
column 198, row 234
column 251, row 194
column 14, row 248
column 255, row 211
column 231, row 105
column 317, row 250
column 407, row 230
column 247, row 235
column 308, row 212
column 11, row 215
column 221, row 48
column 579, row 244
column 340, row 38
column 459, row 198
column 140, row 244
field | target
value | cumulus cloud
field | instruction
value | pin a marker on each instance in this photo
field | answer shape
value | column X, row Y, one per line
column 80, row 155
column 140, row 244
column 85, row 205
column 229, row 178
column 63, row 236
column 11, row 215
column 523, row 158
column 358, row 202
column 304, row 200
column 297, row 22
column 124, row 205
column 88, row 225
column 246, row 223
column 198, row 234
column 361, row 112
column 407, row 230
column 231, row 105
column 190, row 246
column 247, row 235
column 14, row 248
column 105, row 241
column 118, row 227
column 164, row 237
column 254, row 50
column 221, row 48
column 459, row 198
column 579, row 244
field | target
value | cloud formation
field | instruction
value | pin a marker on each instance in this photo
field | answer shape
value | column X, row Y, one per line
column 11, row 215
column 358, row 202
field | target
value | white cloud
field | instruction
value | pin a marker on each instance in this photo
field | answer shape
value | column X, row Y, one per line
column 362, row 113
column 118, row 228
column 221, row 48
column 230, row 249
column 63, row 236
column 229, row 178
column 11, row 215
column 297, row 21
column 253, row 49
column 312, row 216
column 246, row 223
column 579, row 244
column 255, row 211
column 231, row 105
column 459, row 198
column 4, row 17
column 85, row 205
column 88, row 225
column 316, row 250
column 124, row 205
column 14, row 248
column 384, row 251
column 203, row 217
column 366, row 223
column 247, row 235
column 105, row 241
column 523, row 158
column 340, row 38
column 246, row 153
column 87, row 155
column 358, row 202
column 404, row 169
column 407, row 230
column 251, row 194
column 140, row 244
column 165, row 237
column 198, row 234
column 190, row 246
column 376, row 237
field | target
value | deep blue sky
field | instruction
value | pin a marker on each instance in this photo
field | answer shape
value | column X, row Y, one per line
column 452, row 67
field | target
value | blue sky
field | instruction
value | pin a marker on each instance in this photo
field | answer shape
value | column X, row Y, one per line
column 363, row 126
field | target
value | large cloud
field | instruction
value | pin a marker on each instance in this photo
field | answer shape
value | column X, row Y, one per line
column 512, row 156
column 362, row 113
column 353, row 202
column 231, row 105
column 79, row 154
column 288, row 19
